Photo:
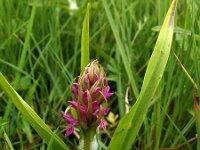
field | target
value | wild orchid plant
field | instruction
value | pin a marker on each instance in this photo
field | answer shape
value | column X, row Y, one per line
column 92, row 91
column 90, row 96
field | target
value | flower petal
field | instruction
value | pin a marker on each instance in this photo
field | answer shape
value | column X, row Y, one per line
column 106, row 92
column 97, row 89
column 104, row 81
column 107, row 95
column 102, row 123
column 83, row 113
column 76, row 84
column 95, row 106
column 70, row 119
column 105, row 111
column 83, row 110
column 96, row 77
column 87, row 81
column 75, row 89
column 107, row 89
column 70, row 129
column 84, row 97
column 73, row 103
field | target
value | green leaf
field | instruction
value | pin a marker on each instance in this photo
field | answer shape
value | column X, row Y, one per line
column 29, row 114
column 129, row 126
column 85, row 54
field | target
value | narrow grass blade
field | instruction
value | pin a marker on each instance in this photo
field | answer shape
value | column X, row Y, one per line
column 197, row 117
column 183, row 68
column 29, row 27
column 8, row 141
column 129, row 126
column 121, row 49
column 36, row 122
column 179, row 30
column 22, row 60
column 85, row 54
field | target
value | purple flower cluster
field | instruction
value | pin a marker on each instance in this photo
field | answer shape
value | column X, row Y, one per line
column 90, row 93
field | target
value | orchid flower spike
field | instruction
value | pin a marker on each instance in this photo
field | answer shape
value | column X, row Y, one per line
column 90, row 92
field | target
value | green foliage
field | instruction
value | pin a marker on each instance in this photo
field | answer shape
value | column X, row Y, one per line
column 121, row 49
column 29, row 114
column 8, row 141
column 197, row 116
column 122, row 37
column 85, row 54
column 129, row 126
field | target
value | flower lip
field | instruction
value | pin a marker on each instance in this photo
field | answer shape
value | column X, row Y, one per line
column 102, row 123
column 105, row 111
column 70, row 119
column 106, row 92
column 70, row 130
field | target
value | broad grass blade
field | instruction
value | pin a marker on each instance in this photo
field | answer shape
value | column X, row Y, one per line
column 129, row 126
column 85, row 54
column 29, row 114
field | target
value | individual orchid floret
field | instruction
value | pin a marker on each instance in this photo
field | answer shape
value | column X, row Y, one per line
column 72, row 122
column 90, row 93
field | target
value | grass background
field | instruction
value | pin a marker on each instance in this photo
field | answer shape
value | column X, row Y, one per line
column 40, row 56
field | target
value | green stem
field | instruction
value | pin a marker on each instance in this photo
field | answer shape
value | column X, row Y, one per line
column 89, row 139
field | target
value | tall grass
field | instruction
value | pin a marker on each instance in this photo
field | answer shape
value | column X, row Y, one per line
column 40, row 44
